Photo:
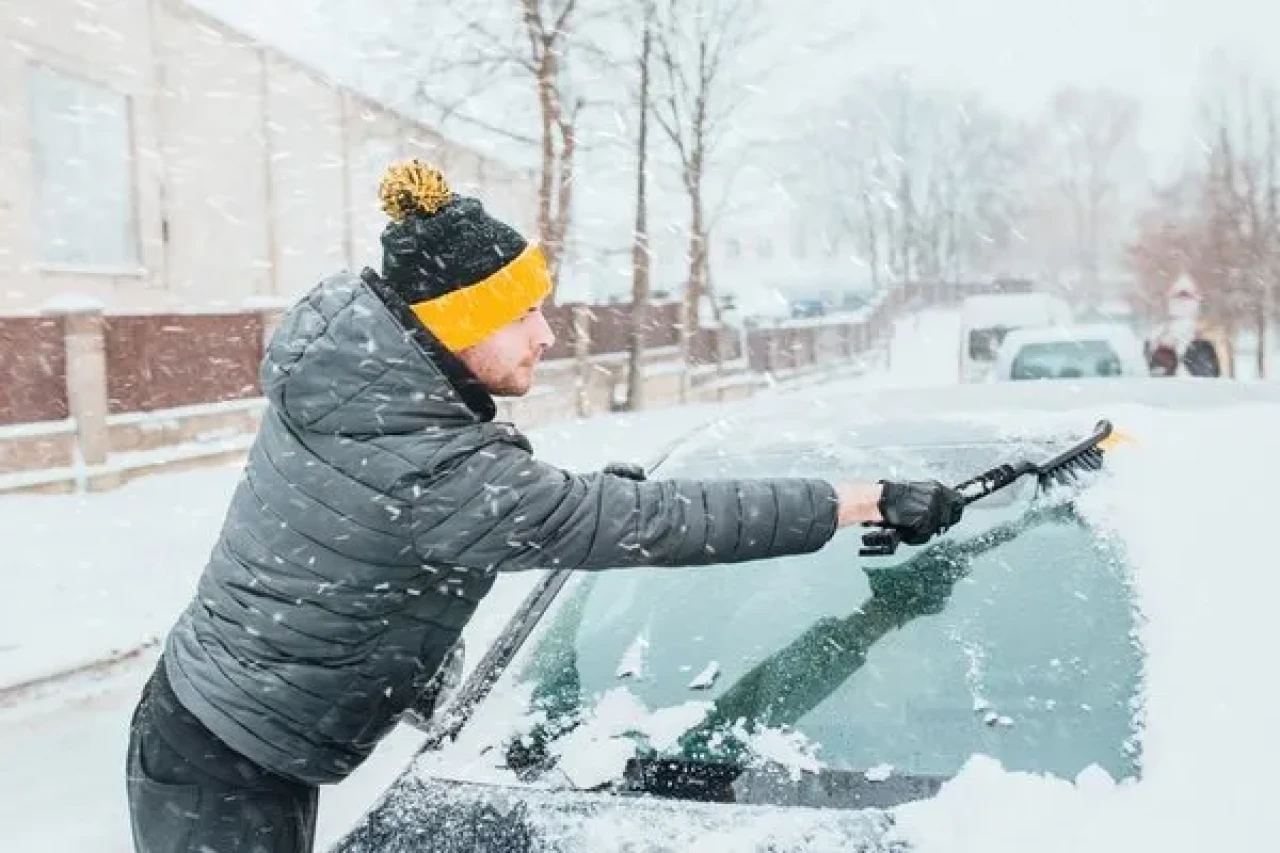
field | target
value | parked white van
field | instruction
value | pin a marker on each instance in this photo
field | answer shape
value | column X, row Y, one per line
column 986, row 320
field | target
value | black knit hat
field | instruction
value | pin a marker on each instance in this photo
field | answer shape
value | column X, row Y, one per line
column 464, row 273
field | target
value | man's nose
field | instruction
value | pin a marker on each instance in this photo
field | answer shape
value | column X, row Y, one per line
column 543, row 335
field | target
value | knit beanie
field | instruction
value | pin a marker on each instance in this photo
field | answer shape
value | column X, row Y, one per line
column 463, row 273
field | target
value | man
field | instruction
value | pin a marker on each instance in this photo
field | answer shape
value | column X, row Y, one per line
column 378, row 503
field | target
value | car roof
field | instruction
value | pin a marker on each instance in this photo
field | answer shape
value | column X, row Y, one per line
column 1110, row 332
column 1005, row 307
column 971, row 413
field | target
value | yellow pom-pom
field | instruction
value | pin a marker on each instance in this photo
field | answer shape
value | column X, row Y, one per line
column 412, row 186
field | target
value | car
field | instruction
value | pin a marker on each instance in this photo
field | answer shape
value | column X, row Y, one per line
column 986, row 319
column 1098, row 350
column 797, row 703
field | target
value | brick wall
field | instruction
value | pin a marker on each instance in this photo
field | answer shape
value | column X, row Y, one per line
column 165, row 361
column 33, row 370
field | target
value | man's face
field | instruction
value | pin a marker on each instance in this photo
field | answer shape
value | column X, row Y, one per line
column 505, row 361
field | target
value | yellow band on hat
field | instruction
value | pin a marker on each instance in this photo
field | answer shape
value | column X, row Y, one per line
column 466, row 317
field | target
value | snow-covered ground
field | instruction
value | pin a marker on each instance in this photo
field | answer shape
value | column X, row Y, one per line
column 924, row 350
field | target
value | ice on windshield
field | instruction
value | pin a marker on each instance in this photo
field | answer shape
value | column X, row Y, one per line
column 1022, row 651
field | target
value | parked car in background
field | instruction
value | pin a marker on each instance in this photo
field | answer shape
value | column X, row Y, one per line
column 1095, row 351
column 985, row 321
column 809, row 307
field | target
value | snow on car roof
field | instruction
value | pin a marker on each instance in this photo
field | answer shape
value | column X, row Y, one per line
column 1011, row 308
column 1113, row 333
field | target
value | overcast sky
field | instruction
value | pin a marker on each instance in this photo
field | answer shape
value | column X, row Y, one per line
column 1015, row 52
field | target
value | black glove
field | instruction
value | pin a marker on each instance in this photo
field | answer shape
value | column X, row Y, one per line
column 629, row 470
column 920, row 509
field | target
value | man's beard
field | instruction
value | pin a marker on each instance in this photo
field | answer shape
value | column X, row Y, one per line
column 517, row 383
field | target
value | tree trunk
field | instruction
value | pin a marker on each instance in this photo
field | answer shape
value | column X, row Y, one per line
column 873, row 240
column 690, row 320
column 1261, row 333
column 546, row 185
column 640, row 263
column 564, row 196
column 697, row 252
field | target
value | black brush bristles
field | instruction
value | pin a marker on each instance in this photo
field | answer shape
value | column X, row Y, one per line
column 1070, row 471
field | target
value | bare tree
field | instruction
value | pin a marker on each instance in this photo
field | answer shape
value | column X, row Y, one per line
column 923, row 182
column 697, row 44
column 1171, row 242
column 640, row 260
column 1090, row 150
column 528, row 45
column 547, row 27
column 1241, row 114
column 1220, row 221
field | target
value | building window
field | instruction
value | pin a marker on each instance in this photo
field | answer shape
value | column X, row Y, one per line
column 83, row 172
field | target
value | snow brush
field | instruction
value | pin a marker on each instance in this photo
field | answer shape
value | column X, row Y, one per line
column 1063, row 469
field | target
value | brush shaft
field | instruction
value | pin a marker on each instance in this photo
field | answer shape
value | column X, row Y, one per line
column 989, row 482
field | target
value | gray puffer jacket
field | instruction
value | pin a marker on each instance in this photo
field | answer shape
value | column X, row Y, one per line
column 378, row 503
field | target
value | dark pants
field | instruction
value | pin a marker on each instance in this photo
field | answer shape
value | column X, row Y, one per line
column 191, row 793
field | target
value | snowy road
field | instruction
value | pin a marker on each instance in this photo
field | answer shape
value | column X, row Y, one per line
column 61, row 781
column 925, row 350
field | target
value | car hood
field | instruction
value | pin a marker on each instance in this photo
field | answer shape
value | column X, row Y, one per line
column 429, row 815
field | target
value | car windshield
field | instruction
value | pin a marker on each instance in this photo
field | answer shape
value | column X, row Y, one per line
column 1011, row 636
column 1066, row 360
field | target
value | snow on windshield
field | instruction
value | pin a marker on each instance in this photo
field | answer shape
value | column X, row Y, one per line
column 1204, row 575
column 1207, row 593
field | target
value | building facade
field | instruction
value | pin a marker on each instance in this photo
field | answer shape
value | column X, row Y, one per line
column 156, row 159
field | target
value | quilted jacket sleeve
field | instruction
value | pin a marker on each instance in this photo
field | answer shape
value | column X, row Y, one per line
column 498, row 507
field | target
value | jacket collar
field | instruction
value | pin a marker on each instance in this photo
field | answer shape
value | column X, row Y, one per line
column 458, row 375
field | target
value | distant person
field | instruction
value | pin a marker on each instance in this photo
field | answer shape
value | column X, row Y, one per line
column 1163, row 360
column 1201, row 359
column 380, row 501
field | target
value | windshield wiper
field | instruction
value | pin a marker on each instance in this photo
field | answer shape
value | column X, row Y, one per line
column 725, row 782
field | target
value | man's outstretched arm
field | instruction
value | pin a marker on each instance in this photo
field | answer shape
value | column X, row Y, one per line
column 500, row 508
